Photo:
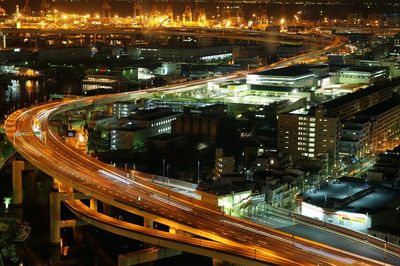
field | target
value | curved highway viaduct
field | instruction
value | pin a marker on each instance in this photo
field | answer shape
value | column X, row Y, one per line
column 218, row 235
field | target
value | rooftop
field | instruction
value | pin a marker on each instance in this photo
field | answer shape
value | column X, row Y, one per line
column 151, row 114
column 290, row 71
column 381, row 107
column 351, row 97
column 363, row 69
column 378, row 198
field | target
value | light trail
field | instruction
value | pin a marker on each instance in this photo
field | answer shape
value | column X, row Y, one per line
column 171, row 202
column 114, row 177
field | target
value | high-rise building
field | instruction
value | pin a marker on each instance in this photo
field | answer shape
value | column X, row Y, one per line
column 316, row 131
column 308, row 134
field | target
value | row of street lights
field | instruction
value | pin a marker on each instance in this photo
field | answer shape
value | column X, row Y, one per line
column 166, row 167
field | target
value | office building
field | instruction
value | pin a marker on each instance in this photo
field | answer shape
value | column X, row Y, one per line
column 308, row 134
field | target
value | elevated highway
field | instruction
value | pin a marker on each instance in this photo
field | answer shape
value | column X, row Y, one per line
column 129, row 33
column 226, row 237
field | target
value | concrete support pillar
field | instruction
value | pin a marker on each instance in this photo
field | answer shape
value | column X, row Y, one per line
column 55, row 214
column 17, row 167
column 148, row 222
column 93, row 204
column 146, row 255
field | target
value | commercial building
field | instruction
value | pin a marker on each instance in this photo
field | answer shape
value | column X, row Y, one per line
column 292, row 77
column 352, row 203
column 362, row 75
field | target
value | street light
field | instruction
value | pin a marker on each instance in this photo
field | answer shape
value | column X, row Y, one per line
column 198, row 172
column 167, row 170
column 163, row 167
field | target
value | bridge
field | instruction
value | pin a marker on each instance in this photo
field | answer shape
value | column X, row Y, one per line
column 194, row 227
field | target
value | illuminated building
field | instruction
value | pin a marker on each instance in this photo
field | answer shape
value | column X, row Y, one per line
column 103, row 82
column 316, row 131
column 308, row 135
column 351, row 203
column 122, row 109
column 116, row 78
column 169, row 68
column 204, row 54
column 139, row 126
column 128, row 138
column 354, row 138
column 385, row 123
column 156, row 121
column 222, row 194
column 352, row 103
column 287, row 77
column 362, row 75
